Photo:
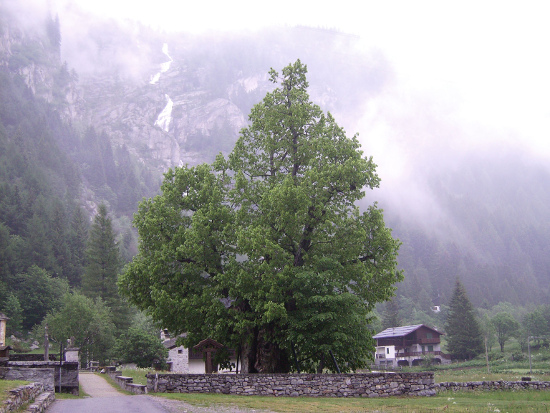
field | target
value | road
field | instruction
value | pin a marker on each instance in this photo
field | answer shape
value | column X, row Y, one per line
column 104, row 398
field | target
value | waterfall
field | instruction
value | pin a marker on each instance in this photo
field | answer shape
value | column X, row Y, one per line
column 164, row 118
column 164, row 67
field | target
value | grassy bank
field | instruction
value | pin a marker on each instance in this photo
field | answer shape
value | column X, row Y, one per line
column 512, row 402
column 7, row 385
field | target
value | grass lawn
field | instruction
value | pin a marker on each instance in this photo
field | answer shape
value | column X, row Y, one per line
column 7, row 385
column 494, row 401
column 139, row 374
column 506, row 401
column 81, row 395
column 480, row 374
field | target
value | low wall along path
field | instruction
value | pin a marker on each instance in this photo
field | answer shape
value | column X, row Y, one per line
column 293, row 385
column 325, row 385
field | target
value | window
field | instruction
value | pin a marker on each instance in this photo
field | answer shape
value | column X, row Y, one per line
column 429, row 335
column 387, row 350
column 180, row 351
column 430, row 348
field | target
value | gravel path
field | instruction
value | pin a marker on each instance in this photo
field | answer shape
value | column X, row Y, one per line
column 97, row 386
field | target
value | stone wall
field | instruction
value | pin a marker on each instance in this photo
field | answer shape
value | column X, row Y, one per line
column 127, row 383
column 493, row 385
column 179, row 359
column 45, row 376
column 25, row 394
column 30, row 357
column 68, row 374
column 312, row 385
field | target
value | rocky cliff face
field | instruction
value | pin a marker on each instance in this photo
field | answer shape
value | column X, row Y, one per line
column 200, row 122
column 30, row 54
column 179, row 100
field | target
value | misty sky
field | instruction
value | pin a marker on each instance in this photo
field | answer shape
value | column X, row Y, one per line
column 469, row 75
column 485, row 63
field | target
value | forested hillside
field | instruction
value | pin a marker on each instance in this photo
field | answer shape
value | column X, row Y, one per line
column 80, row 126
column 53, row 174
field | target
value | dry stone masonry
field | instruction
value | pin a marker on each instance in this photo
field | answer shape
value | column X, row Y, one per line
column 25, row 394
column 493, row 385
column 294, row 385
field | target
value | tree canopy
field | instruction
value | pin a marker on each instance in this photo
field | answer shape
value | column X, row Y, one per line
column 464, row 338
column 505, row 327
column 266, row 251
column 103, row 265
column 89, row 322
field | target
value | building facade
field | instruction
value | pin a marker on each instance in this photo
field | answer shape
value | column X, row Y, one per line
column 187, row 361
column 409, row 346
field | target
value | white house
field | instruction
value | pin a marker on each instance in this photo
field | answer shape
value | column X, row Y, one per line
column 187, row 361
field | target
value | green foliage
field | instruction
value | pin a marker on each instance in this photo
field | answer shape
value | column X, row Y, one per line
column 140, row 347
column 266, row 251
column 505, row 327
column 13, row 310
column 464, row 339
column 38, row 293
column 89, row 322
column 390, row 316
column 102, row 268
column 488, row 331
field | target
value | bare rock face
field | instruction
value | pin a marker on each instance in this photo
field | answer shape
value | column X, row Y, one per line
column 199, row 123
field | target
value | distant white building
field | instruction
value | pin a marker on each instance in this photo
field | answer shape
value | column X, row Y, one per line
column 186, row 361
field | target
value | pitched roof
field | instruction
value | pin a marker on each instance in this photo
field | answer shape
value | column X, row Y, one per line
column 171, row 342
column 401, row 331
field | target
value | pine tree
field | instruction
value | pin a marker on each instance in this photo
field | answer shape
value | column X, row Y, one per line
column 78, row 237
column 103, row 265
column 58, row 237
column 390, row 316
column 464, row 338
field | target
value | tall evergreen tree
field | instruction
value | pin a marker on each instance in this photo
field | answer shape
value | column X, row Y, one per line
column 58, row 236
column 102, row 267
column 464, row 338
column 390, row 316
column 78, row 237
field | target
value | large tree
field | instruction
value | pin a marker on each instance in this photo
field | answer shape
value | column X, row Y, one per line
column 266, row 251
column 103, row 265
column 141, row 347
column 464, row 337
column 505, row 326
column 89, row 322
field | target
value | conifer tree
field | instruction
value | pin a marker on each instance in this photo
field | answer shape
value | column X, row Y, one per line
column 78, row 237
column 390, row 316
column 103, row 265
column 464, row 338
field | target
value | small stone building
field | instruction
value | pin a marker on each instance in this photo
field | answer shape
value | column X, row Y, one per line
column 183, row 360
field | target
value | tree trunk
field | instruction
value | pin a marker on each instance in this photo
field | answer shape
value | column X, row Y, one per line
column 262, row 356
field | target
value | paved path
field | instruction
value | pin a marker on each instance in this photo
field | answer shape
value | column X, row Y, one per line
column 104, row 398
column 96, row 386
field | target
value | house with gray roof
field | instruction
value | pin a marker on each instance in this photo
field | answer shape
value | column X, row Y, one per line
column 409, row 346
